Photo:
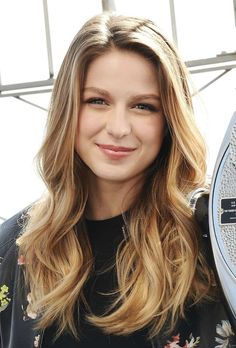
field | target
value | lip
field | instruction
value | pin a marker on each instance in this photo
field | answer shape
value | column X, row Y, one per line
column 115, row 152
column 116, row 148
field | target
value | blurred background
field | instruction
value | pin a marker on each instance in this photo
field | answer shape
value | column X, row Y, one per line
column 34, row 38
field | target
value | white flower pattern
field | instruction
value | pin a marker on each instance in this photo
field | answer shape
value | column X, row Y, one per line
column 28, row 311
column 224, row 330
column 36, row 341
column 225, row 339
column 188, row 344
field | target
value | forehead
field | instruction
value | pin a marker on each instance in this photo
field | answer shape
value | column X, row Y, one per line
column 122, row 67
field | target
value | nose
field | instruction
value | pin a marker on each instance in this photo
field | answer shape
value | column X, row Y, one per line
column 118, row 123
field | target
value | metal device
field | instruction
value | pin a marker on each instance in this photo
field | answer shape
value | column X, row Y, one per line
column 222, row 215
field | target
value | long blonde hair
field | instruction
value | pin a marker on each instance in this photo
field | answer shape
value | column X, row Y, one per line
column 159, row 267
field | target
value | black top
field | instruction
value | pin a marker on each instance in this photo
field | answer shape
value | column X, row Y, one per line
column 105, row 236
column 205, row 326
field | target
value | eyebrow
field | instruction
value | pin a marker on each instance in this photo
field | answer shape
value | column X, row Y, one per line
column 107, row 94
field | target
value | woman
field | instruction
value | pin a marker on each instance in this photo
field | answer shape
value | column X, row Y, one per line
column 112, row 255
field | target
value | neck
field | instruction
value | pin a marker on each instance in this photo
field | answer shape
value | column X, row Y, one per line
column 109, row 199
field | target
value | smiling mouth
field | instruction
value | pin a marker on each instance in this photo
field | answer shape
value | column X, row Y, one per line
column 116, row 148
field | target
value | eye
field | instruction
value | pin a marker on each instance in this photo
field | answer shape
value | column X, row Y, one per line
column 146, row 107
column 96, row 101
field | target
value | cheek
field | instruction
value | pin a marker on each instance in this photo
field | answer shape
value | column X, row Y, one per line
column 152, row 133
column 87, row 126
column 81, row 133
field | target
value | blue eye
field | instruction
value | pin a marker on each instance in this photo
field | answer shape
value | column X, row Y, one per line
column 147, row 107
column 97, row 101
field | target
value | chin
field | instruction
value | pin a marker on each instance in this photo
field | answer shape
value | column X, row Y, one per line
column 115, row 177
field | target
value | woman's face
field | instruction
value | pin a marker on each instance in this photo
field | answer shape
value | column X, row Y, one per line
column 121, row 123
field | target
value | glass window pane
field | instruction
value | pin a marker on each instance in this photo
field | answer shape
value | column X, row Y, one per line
column 66, row 18
column 23, row 42
column 205, row 28
column 21, row 132
column 156, row 10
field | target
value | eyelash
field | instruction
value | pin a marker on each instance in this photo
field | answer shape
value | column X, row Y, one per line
column 148, row 107
column 93, row 100
column 145, row 106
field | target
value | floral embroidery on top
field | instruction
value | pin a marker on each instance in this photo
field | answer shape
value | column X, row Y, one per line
column 188, row 344
column 4, row 300
column 36, row 341
column 29, row 313
column 21, row 221
column 21, row 260
column 224, row 330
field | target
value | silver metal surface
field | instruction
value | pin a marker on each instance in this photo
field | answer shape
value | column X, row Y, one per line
column 212, row 81
column 234, row 11
column 34, row 84
column 173, row 21
column 48, row 38
column 222, row 215
column 19, row 89
column 28, row 92
column 220, row 58
column 108, row 5
column 30, row 103
column 224, row 61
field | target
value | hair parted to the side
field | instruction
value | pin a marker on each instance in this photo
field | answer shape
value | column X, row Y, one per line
column 160, row 267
